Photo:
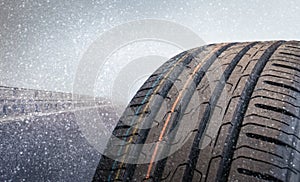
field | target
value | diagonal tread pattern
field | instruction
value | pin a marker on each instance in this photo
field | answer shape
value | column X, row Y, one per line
column 242, row 104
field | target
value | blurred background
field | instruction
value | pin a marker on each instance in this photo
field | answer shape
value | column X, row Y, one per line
column 42, row 42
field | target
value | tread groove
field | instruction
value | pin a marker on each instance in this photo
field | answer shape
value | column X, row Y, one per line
column 276, row 76
column 187, row 96
column 194, row 154
column 284, row 60
column 270, row 140
column 284, row 72
column 271, row 98
column 293, row 47
column 238, row 116
column 273, row 91
column 276, row 109
column 290, row 54
column 282, row 85
column 258, row 175
column 286, row 66
column 131, row 167
column 257, row 115
column 115, row 164
column 264, row 151
column 272, row 128
column 268, row 163
column 256, row 122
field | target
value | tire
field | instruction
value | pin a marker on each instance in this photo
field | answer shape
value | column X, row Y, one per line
column 238, row 104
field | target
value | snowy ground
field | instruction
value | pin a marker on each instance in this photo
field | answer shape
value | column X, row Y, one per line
column 44, row 144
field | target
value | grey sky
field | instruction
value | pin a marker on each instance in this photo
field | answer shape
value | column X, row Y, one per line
column 42, row 43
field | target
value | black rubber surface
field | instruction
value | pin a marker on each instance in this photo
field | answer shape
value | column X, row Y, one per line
column 242, row 101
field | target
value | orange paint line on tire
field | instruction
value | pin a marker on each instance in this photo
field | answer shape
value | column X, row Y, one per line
column 172, row 110
column 146, row 107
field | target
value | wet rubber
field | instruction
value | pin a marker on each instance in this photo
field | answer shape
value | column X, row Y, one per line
column 242, row 98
